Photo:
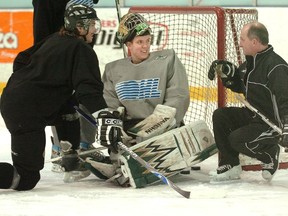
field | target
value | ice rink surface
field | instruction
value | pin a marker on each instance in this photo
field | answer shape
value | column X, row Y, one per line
column 92, row 196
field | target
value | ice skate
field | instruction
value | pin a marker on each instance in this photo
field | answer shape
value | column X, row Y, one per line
column 76, row 175
column 96, row 155
column 78, row 169
column 269, row 169
column 56, row 165
column 227, row 172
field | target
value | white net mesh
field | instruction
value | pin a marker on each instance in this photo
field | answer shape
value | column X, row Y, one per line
column 199, row 35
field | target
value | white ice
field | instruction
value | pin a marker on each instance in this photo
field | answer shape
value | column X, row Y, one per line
column 92, row 196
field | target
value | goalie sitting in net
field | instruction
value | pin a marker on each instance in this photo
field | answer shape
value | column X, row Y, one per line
column 151, row 92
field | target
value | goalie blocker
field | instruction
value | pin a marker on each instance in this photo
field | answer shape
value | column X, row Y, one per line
column 168, row 153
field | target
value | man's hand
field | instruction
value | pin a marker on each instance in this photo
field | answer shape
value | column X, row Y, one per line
column 224, row 69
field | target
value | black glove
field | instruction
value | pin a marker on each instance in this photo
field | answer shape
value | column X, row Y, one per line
column 225, row 69
column 70, row 161
column 212, row 70
column 108, row 131
column 284, row 142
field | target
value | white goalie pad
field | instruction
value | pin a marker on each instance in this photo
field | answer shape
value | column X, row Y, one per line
column 160, row 121
column 169, row 153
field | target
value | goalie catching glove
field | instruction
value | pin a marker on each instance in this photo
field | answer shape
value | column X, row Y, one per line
column 225, row 70
column 109, row 128
column 161, row 120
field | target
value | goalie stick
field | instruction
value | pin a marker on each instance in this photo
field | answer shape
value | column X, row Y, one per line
column 264, row 118
column 186, row 194
column 282, row 165
column 117, row 3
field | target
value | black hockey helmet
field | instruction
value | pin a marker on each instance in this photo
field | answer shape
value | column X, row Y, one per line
column 79, row 15
column 131, row 25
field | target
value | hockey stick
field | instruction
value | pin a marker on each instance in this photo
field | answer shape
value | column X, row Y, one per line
column 264, row 118
column 117, row 3
column 235, row 37
column 79, row 154
column 186, row 194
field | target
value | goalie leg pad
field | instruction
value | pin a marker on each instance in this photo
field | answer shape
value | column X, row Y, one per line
column 138, row 176
column 169, row 153
column 100, row 169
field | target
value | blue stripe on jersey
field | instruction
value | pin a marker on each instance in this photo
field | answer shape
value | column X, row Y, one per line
column 138, row 89
column 88, row 3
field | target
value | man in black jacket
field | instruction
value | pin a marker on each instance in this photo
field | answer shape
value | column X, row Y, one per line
column 44, row 78
column 263, row 80
column 48, row 18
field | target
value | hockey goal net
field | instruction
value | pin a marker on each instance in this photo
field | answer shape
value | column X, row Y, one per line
column 200, row 35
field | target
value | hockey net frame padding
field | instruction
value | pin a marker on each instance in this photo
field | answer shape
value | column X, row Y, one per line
column 200, row 35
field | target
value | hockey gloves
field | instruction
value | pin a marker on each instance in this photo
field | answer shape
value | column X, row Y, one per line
column 109, row 128
column 225, row 70
column 285, row 132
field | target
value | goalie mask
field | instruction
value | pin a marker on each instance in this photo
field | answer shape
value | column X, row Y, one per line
column 80, row 16
column 130, row 26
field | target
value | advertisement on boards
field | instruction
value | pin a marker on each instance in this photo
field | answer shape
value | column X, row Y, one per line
column 15, row 33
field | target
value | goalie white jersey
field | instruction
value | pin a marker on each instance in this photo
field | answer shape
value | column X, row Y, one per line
column 160, row 79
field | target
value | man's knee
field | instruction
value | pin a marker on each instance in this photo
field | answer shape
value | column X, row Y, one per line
column 28, row 179
column 17, row 178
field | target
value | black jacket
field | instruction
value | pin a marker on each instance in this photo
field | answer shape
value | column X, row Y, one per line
column 47, row 74
column 265, row 80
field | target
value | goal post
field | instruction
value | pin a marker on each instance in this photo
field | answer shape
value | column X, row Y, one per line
column 200, row 35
